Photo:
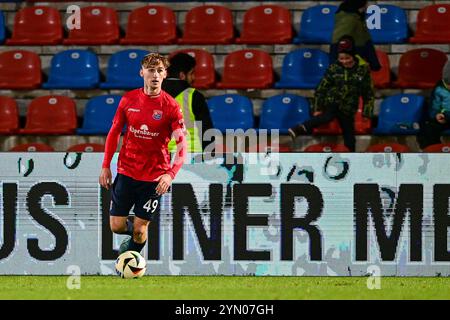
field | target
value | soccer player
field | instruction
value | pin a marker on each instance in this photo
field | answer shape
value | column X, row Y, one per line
column 144, row 171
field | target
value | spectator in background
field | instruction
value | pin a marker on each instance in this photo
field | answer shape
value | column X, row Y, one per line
column 438, row 115
column 350, row 19
column 338, row 94
column 180, row 77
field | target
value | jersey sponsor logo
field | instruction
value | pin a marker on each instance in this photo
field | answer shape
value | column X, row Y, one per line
column 157, row 114
column 134, row 110
column 143, row 132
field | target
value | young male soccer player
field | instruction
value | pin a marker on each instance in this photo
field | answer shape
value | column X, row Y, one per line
column 144, row 172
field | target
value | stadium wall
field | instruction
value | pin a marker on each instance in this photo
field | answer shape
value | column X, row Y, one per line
column 268, row 214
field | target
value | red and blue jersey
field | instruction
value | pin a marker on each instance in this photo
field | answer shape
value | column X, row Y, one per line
column 149, row 121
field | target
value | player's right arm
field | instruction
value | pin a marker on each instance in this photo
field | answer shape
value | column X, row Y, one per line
column 112, row 140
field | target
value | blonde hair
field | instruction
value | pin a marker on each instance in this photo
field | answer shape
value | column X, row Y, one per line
column 153, row 59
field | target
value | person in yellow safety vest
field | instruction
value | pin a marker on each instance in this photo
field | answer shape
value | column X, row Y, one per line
column 193, row 104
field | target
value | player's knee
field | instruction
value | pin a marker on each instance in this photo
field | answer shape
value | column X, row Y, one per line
column 117, row 226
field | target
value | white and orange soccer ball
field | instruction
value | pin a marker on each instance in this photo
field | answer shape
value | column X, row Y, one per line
column 131, row 264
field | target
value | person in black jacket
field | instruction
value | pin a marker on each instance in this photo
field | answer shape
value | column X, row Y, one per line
column 180, row 77
column 350, row 19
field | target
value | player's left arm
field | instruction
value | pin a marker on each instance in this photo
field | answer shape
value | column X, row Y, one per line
column 179, row 134
column 367, row 93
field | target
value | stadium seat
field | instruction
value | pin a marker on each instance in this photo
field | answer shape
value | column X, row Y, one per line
column 20, row 69
column 2, row 27
column 9, row 115
column 40, row 25
column 382, row 78
column 98, row 114
column 284, row 111
column 208, row 24
column 87, row 147
column 161, row 30
column 316, row 24
column 388, row 147
column 326, row 147
column 123, row 70
column 394, row 26
column 51, row 115
column 99, row 26
column 433, row 24
column 420, row 68
column 266, row 24
column 400, row 114
column 247, row 69
column 439, row 147
column 204, row 71
column 231, row 111
column 32, row 147
column 303, row 69
column 73, row 69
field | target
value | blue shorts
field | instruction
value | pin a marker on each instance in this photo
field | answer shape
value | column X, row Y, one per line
column 127, row 192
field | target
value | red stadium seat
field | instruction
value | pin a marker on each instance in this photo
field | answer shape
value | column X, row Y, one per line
column 51, row 115
column 87, row 147
column 204, row 72
column 246, row 69
column 433, row 24
column 99, row 25
column 420, row 68
column 40, row 25
column 439, row 147
column 382, row 77
column 9, row 115
column 32, row 147
column 20, row 69
column 161, row 30
column 326, row 147
column 388, row 147
column 266, row 24
column 330, row 128
column 208, row 24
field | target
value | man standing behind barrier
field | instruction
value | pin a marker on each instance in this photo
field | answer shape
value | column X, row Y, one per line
column 180, row 77
column 144, row 172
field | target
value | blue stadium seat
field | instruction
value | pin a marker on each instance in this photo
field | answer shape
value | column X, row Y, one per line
column 284, row 111
column 123, row 70
column 303, row 69
column 2, row 27
column 394, row 25
column 231, row 111
column 400, row 114
column 73, row 69
column 317, row 24
column 98, row 114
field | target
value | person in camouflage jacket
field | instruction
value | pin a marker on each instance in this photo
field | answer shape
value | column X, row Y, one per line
column 338, row 94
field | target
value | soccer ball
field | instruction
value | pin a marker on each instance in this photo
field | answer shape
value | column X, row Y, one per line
column 130, row 264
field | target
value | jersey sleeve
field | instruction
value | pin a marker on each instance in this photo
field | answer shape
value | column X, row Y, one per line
column 178, row 131
column 112, row 140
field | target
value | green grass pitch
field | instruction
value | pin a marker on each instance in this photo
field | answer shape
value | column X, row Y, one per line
column 221, row 288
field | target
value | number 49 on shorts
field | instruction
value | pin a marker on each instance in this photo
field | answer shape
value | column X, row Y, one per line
column 151, row 205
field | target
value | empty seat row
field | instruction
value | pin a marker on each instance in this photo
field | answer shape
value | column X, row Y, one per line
column 319, row 147
column 243, row 69
column 399, row 114
column 54, row 114
column 213, row 24
column 43, row 147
